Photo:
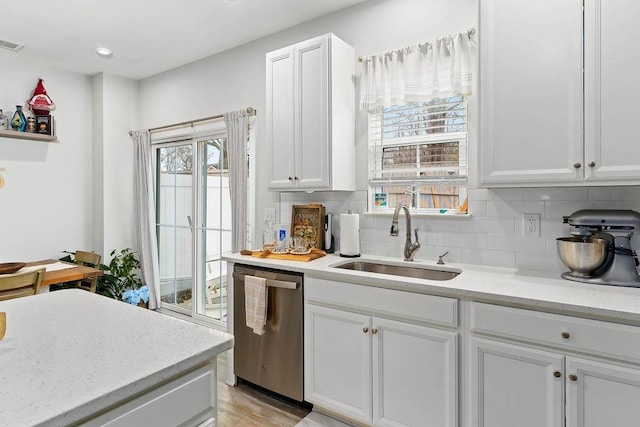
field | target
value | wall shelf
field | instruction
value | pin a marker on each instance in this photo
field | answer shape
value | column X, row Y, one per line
column 27, row 135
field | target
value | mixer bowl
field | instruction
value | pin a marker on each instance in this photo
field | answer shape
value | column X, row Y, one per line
column 583, row 256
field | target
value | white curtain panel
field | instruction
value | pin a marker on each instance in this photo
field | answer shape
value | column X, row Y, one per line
column 145, row 221
column 237, row 123
column 437, row 69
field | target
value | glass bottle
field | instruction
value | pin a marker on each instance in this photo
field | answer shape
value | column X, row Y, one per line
column 4, row 121
column 31, row 122
column 19, row 121
column 269, row 236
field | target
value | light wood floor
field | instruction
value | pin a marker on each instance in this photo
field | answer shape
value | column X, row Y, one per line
column 246, row 405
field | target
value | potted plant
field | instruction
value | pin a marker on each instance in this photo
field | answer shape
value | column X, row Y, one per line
column 121, row 280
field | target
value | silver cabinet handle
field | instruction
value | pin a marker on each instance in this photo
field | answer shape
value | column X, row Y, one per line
column 565, row 335
column 577, row 165
column 557, row 374
column 573, row 377
column 592, row 164
column 374, row 331
column 365, row 329
column 290, row 178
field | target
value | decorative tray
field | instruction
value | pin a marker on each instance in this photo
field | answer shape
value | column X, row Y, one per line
column 10, row 267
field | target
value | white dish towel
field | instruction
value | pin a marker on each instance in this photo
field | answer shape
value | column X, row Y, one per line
column 255, row 303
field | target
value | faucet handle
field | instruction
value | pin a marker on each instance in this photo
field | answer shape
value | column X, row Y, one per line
column 440, row 260
column 415, row 232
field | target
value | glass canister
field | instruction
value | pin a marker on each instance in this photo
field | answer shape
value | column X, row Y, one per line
column 4, row 121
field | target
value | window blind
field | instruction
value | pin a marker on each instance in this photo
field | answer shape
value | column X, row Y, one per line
column 418, row 153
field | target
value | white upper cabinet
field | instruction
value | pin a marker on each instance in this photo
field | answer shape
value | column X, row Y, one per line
column 310, row 115
column 612, row 90
column 530, row 91
column 539, row 125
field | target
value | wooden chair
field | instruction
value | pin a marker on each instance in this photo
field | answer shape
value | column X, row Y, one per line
column 20, row 284
column 90, row 259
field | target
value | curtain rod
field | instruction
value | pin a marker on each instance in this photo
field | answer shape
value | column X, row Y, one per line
column 250, row 111
column 470, row 33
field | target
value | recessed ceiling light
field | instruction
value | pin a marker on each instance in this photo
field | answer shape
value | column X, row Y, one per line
column 104, row 52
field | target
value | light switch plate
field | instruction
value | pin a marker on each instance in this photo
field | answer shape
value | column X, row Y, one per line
column 270, row 215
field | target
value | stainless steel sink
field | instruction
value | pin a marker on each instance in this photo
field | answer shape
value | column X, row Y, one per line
column 399, row 270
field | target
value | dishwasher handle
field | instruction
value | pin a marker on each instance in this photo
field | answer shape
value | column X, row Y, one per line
column 271, row 282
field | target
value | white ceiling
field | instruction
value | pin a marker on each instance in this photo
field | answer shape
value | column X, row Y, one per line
column 146, row 36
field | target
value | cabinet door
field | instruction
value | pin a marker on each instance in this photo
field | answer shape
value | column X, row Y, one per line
column 515, row 386
column 338, row 361
column 414, row 375
column 612, row 89
column 600, row 394
column 311, row 113
column 530, row 91
column 280, row 129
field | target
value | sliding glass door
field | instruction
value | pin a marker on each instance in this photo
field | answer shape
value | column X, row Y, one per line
column 194, row 226
column 174, row 224
column 214, row 227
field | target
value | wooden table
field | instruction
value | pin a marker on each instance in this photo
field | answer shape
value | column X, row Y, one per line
column 77, row 272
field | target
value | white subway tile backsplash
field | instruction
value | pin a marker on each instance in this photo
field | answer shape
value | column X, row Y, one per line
column 558, row 208
column 489, row 257
column 477, row 208
column 542, row 262
column 505, row 209
column 505, row 242
column 488, row 225
column 615, row 193
column 492, row 235
column 463, row 240
column 555, row 193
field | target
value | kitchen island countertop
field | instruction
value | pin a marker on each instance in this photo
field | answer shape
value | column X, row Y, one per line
column 70, row 354
column 537, row 290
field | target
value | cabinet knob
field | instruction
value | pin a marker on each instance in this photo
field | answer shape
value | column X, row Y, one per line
column 573, row 377
column 592, row 164
column 365, row 329
column 565, row 335
column 290, row 178
column 577, row 165
column 557, row 374
column 295, row 178
column 374, row 331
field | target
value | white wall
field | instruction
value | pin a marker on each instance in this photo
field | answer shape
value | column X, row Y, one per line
column 45, row 205
column 236, row 79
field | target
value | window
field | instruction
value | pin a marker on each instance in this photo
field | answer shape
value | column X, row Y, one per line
column 418, row 156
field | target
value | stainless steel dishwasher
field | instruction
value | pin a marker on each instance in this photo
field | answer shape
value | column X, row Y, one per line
column 273, row 360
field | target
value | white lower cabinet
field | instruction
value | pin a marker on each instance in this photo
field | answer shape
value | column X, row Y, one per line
column 377, row 370
column 601, row 394
column 516, row 386
column 534, row 369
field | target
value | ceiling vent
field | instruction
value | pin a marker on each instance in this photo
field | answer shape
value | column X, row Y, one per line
column 10, row 45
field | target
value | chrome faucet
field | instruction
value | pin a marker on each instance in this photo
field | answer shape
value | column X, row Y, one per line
column 410, row 248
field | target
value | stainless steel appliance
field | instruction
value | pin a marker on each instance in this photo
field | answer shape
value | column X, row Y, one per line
column 273, row 360
column 599, row 250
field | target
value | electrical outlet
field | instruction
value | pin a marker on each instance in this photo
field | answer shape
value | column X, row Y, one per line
column 531, row 224
column 270, row 215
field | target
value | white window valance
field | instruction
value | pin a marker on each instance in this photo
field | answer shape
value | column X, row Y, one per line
column 440, row 68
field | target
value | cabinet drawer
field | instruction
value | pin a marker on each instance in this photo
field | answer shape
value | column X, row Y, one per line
column 389, row 303
column 189, row 400
column 590, row 336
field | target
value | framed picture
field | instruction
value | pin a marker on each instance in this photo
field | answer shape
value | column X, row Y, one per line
column 44, row 125
column 307, row 221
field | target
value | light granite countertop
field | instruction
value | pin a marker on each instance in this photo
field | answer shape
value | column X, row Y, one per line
column 69, row 354
column 519, row 288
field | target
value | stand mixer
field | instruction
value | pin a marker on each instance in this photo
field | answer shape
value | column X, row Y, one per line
column 599, row 250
